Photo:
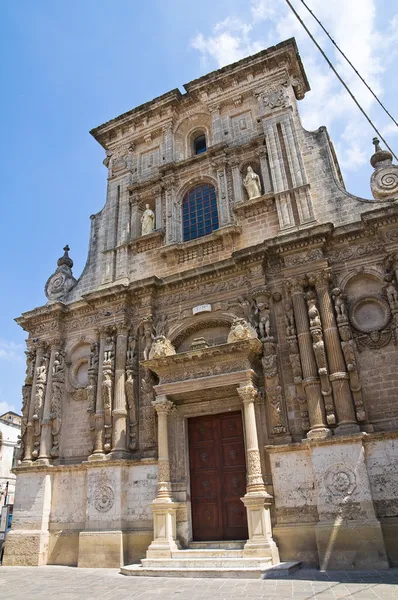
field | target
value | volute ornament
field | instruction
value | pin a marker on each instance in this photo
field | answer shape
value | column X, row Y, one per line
column 384, row 179
column 62, row 281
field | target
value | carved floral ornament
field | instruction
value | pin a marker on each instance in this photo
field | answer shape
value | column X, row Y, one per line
column 340, row 480
column 104, row 498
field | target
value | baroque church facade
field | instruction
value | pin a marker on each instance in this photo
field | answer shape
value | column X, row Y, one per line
column 220, row 383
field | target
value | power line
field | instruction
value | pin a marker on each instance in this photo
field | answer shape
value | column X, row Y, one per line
column 349, row 62
column 339, row 78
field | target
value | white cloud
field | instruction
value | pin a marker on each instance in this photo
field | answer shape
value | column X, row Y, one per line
column 5, row 407
column 11, row 350
column 352, row 24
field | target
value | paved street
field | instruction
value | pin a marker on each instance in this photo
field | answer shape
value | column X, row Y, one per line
column 64, row 583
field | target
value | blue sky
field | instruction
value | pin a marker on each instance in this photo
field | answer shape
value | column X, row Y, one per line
column 70, row 65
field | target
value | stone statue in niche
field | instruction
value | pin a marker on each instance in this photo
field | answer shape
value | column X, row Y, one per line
column 161, row 325
column 319, row 350
column 391, row 291
column 313, row 312
column 109, row 349
column 348, row 348
column 41, row 380
column 92, row 376
column 131, row 343
column 339, row 305
column 264, row 322
column 147, row 336
column 289, row 320
column 58, row 382
column 147, row 221
column 252, row 184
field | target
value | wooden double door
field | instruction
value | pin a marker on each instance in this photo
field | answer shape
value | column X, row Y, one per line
column 218, row 477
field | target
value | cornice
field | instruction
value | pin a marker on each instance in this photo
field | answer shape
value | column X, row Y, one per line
column 283, row 57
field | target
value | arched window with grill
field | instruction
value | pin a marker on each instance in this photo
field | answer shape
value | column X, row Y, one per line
column 199, row 212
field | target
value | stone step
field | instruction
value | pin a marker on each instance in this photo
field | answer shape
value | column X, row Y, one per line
column 205, row 563
column 243, row 572
column 208, row 553
column 222, row 544
column 139, row 570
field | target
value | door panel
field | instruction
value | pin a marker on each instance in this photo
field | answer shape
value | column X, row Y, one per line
column 218, row 477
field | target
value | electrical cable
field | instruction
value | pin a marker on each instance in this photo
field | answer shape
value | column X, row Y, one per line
column 349, row 62
column 339, row 78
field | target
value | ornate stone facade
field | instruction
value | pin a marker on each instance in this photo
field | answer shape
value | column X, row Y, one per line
column 285, row 309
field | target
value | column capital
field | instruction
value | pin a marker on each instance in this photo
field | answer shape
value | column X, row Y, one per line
column 122, row 328
column 320, row 279
column 162, row 405
column 55, row 343
column 296, row 285
column 248, row 393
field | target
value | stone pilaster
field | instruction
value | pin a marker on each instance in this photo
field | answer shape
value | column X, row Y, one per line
column 168, row 143
column 46, row 438
column 265, row 173
column 311, row 383
column 164, row 509
column 173, row 233
column 98, row 452
column 346, row 421
column 256, row 500
column 236, row 180
column 216, row 125
column 219, row 164
column 119, row 412
column 158, row 207
column 135, row 230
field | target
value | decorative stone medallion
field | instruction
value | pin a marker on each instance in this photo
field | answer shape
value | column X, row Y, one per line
column 340, row 480
column 370, row 314
column 104, row 498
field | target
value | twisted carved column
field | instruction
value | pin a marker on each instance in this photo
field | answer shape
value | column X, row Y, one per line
column 119, row 412
column 163, row 408
column 311, row 383
column 255, row 482
column 338, row 374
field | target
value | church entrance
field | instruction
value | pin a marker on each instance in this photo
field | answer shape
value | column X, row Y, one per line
column 218, row 477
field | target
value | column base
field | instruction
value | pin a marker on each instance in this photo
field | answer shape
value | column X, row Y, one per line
column 94, row 457
column 260, row 542
column 347, row 429
column 28, row 548
column 119, row 454
column 164, row 525
column 100, row 549
column 44, row 460
column 351, row 545
column 320, row 433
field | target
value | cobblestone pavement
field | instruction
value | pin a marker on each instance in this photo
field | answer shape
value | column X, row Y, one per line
column 68, row 583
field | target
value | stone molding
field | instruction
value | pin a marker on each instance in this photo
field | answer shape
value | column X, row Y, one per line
column 226, row 358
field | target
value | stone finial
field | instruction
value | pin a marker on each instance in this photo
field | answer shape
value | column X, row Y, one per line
column 62, row 280
column 65, row 259
column 384, row 180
